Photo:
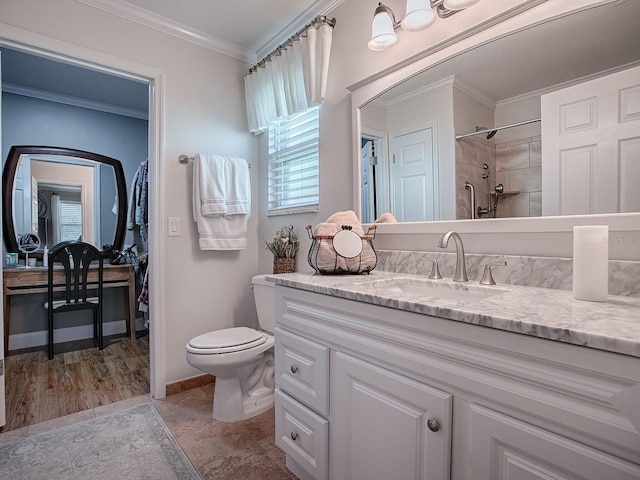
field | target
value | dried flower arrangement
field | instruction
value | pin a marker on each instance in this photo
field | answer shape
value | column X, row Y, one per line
column 284, row 247
column 285, row 244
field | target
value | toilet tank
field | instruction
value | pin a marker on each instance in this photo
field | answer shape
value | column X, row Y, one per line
column 264, row 293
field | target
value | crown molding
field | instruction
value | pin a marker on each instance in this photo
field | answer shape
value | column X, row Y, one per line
column 73, row 101
column 470, row 90
column 144, row 17
column 444, row 84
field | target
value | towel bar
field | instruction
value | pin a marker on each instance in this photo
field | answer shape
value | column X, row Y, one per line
column 184, row 159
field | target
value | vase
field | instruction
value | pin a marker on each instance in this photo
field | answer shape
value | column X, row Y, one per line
column 283, row 265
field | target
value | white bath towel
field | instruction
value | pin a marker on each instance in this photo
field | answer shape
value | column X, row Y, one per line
column 237, row 186
column 326, row 228
column 386, row 217
column 213, row 185
column 347, row 217
column 218, row 232
column 326, row 258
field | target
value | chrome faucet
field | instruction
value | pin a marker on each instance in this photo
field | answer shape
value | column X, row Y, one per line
column 461, row 270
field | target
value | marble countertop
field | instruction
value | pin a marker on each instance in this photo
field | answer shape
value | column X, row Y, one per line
column 546, row 313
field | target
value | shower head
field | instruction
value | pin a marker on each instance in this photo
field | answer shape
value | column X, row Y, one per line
column 491, row 134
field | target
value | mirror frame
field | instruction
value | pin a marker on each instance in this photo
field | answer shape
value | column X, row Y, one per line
column 366, row 90
column 8, row 178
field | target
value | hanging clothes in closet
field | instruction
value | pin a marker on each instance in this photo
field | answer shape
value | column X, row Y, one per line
column 143, row 298
column 137, row 214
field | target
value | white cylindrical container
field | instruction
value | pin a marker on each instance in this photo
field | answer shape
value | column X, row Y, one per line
column 591, row 263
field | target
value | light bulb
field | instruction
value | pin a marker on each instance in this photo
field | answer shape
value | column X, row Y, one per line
column 382, row 33
column 419, row 15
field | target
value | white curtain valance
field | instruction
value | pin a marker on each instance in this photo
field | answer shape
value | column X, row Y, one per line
column 291, row 79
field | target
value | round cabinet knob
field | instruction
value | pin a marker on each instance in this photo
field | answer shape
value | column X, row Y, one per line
column 433, row 425
column 294, row 436
column 294, row 369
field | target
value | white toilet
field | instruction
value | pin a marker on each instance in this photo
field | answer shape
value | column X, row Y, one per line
column 241, row 359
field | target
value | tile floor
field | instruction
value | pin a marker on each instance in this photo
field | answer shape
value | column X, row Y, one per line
column 221, row 451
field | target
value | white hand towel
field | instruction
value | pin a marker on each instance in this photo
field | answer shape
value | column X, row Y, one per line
column 328, row 229
column 386, row 217
column 217, row 232
column 213, row 185
column 348, row 217
column 237, row 186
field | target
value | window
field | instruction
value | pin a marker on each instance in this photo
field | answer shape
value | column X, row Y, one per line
column 66, row 217
column 294, row 163
column 70, row 220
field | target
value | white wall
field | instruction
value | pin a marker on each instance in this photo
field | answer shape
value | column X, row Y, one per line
column 434, row 108
column 203, row 110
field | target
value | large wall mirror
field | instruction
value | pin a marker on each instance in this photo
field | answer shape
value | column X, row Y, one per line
column 415, row 159
column 63, row 194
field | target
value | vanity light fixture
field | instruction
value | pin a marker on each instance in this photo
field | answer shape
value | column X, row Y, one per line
column 419, row 15
column 459, row 4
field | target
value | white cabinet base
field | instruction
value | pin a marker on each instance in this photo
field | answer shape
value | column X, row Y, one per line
column 509, row 406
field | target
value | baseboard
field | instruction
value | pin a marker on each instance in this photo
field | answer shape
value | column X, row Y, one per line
column 189, row 383
column 19, row 341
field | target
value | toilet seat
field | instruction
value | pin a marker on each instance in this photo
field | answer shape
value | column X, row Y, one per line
column 227, row 340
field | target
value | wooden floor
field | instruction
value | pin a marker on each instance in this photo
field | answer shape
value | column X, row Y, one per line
column 39, row 389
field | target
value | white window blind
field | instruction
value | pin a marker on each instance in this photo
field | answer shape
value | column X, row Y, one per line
column 293, row 163
column 70, row 220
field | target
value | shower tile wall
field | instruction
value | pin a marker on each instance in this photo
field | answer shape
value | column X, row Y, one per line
column 518, row 168
column 471, row 154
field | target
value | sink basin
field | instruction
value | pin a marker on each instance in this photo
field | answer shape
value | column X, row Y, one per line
column 415, row 287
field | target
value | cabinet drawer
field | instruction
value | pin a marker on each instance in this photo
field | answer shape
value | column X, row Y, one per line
column 302, row 434
column 302, row 370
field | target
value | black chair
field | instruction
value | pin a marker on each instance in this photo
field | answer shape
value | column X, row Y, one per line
column 80, row 291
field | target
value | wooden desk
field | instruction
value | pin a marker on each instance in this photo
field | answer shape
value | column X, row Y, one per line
column 25, row 281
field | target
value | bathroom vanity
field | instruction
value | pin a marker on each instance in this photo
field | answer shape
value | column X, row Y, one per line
column 379, row 378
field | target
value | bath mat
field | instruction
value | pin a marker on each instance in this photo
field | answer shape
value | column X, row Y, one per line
column 132, row 444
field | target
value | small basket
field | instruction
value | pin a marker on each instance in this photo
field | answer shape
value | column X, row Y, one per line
column 324, row 259
column 283, row 265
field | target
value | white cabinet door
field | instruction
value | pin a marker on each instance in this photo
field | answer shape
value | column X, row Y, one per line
column 503, row 448
column 591, row 146
column 382, row 422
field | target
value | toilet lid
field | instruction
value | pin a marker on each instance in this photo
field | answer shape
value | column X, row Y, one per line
column 229, row 339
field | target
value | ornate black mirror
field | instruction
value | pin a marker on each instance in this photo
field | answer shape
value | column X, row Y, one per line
column 63, row 194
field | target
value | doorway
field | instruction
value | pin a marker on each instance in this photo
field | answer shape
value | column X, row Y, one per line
column 374, row 174
column 95, row 61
